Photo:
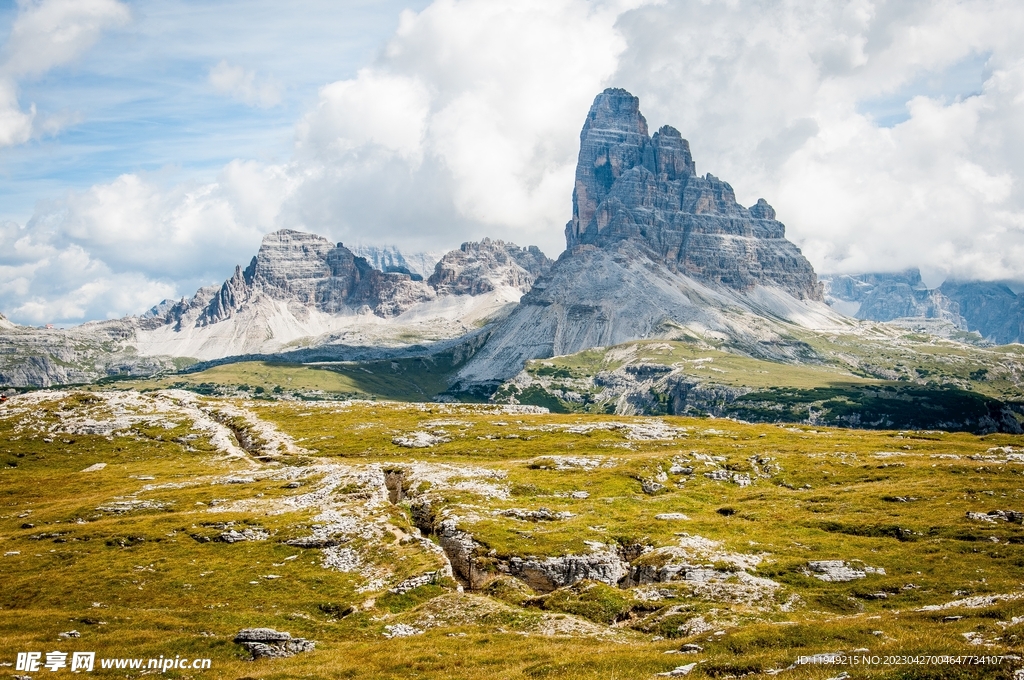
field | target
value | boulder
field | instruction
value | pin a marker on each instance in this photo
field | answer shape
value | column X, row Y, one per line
column 545, row 575
column 272, row 644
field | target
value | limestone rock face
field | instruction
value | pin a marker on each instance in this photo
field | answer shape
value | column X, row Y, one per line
column 300, row 269
column 477, row 268
column 630, row 186
column 301, row 288
column 175, row 314
column 598, row 297
column 989, row 308
column 899, row 300
column 547, row 574
column 41, row 357
column 654, row 250
column 267, row 643
column 299, row 292
column 310, row 270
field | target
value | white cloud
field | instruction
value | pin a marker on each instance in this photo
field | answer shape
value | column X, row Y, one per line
column 769, row 96
column 182, row 231
column 120, row 248
column 64, row 283
column 48, row 33
column 243, row 85
column 45, row 34
column 467, row 124
column 373, row 109
column 479, row 100
column 15, row 124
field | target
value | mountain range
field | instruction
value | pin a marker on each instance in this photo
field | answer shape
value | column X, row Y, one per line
column 654, row 250
column 991, row 309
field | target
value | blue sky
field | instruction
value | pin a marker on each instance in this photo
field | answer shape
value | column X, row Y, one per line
column 961, row 80
column 147, row 147
column 143, row 101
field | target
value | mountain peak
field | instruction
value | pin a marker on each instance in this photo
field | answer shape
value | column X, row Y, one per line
column 644, row 190
column 654, row 249
column 615, row 109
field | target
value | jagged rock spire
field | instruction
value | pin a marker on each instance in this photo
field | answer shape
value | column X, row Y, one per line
column 630, row 186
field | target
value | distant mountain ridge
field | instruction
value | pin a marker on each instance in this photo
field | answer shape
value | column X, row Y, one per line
column 654, row 251
column 299, row 291
column 300, row 287
column 308, row 270
column 991, row 309
column 392, row 259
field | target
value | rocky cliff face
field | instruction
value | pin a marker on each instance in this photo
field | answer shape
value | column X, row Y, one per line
column 655, row 250
column 299, row 291
column 311, row 271
column 43, row 357
column 990, row 309
column 478, row 268
column 307, row 270
column 885, row 297
column 630, row 186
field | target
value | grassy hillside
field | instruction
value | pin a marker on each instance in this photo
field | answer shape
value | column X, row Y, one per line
column 416, row 379
column 343, row 501
column 879, row 377
column 908, row 381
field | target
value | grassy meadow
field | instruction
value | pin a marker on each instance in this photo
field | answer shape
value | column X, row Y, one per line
column 114, row 505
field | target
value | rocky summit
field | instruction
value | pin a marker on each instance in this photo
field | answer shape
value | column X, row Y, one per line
column 301, row 290
column 653, row 249
column 478, row 268
column 308, row 270
column 645, row 190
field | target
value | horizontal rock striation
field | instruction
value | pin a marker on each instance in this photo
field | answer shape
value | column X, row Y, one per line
column 630, row 186
column 547, row 574
column 309, row 270
column 42, row 357
column 267, row 643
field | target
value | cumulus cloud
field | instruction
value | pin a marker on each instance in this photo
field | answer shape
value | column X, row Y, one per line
column 45, row 34
column 778, row 99
column 63, row 283
column 121, row 247
column 15, row 124
column 470, row 118
column 244, row 85
column 137, row 224
column 48, row 33
column 886, row 134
